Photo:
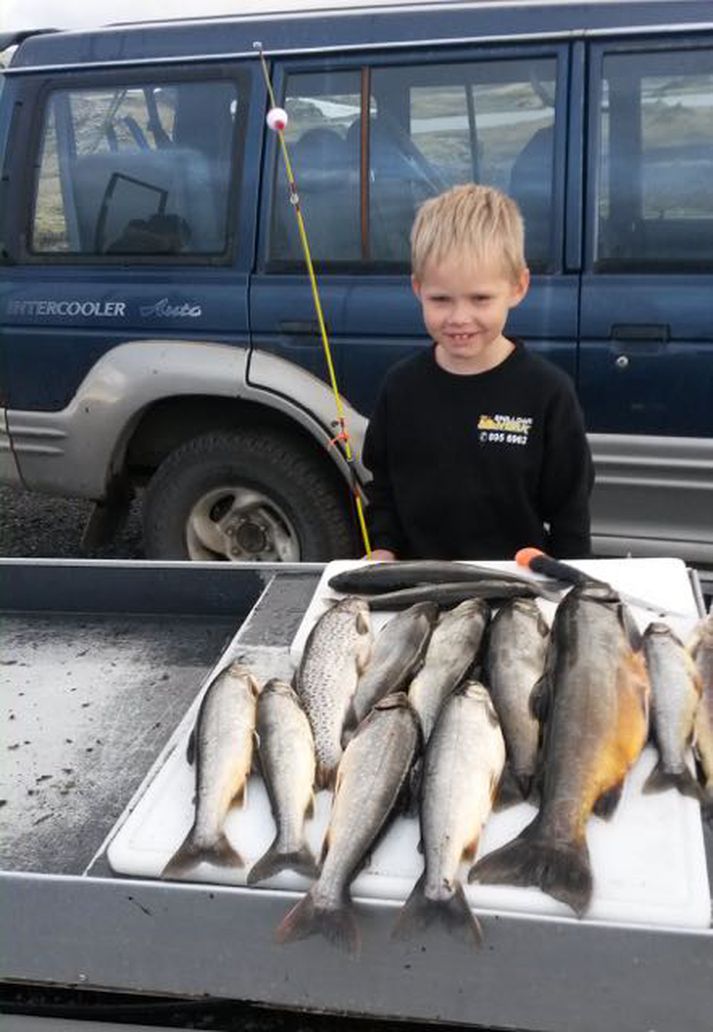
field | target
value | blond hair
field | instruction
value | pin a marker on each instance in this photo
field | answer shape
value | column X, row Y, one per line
column 479, row 222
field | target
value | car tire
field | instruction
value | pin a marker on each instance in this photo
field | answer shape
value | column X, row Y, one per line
column 246, row 496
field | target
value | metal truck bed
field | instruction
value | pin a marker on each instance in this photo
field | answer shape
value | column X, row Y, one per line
column 99, row 663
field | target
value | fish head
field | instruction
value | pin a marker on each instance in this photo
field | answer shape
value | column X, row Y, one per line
column 429, row 610
column 275, row 686
column 477, row 691
column 237, row 669
column 358, row 609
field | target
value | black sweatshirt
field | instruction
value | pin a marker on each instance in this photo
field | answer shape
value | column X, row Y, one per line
column 475, row 466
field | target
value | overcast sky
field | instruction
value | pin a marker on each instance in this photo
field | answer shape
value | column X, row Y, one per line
column 70, row 14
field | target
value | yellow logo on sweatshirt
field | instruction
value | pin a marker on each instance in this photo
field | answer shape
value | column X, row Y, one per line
column 504, row 429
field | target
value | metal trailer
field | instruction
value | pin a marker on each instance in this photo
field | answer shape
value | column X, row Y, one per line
column 99, row 663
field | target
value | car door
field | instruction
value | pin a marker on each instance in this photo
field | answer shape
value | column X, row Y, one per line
column 646, row 351
column 373, row 136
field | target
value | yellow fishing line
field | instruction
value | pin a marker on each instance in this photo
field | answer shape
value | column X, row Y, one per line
column 343, row 436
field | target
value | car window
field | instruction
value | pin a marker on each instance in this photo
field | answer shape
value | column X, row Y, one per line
column 655, row 203
column 142, row 169
column 361, row 175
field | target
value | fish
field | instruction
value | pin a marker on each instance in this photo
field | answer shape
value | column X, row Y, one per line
column 701, row 650
column 451, row 594
column 398, row 653
column 221, row 746
column 452, row 650
column 462, row 767
column 335, row 654
column 593, row 700
column 514, row 663
column 374, row 578
column 675, row 694
column 287, row 761
column 372, row 774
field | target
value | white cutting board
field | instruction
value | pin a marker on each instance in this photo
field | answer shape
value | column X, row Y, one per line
column 649, row 860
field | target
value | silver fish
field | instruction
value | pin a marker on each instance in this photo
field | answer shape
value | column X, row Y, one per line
column 286, row 749
column 221, row 745
column 675, row 695
column 335, row 654
column 514, row 663
column 372, row 774
column 398, row 652
column 701, row 648
column 453, row 648
column 593, row 700
column 462, row 768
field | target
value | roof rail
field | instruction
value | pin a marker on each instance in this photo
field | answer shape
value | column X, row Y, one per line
column 12, row 39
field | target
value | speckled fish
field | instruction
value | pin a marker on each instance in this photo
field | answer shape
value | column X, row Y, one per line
column 452, row 650
column 286, row 749
column 594, row 701
column 374, row 578
column 514, row 663
column 221, row 745
column 335, row 654
column 448, row 595
column 675, row 695
column 397, row 654
column 372, row 774
column 463, row 763
column 701, row 648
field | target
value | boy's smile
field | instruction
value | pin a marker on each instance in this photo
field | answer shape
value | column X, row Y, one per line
column 465, row 305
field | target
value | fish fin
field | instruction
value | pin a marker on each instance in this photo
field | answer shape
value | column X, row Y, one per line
column 191, row 747
column 363, row 624
column 350, row 725
column 630, row 627
column 223, row 854
column 454, row 914
column 414, row 782
column 607, row 803
column 189, row 855
column 540, row 698
column 241, row 796
column 707, row 807
column 337, row 925
column 255, row 686
column 659, row 780
column 300, row 860
column 561, row 870
column 326, row 777
column 512, row 788
column 186, row 856
column 471, row 848
column 309, row 811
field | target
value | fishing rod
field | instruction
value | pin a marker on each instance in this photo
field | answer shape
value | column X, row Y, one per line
column 277, row 121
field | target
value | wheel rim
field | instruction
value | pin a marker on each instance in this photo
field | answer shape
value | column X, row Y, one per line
column 239, row 524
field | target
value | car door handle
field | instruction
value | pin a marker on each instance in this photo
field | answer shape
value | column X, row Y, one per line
column 657, row 332
column 299, row 328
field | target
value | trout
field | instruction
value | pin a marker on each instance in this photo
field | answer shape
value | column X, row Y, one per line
column 286, row 750
column 462, row 768
column 514, row 663
column 675, row 695
column 221, row 745
column 593, row 700
column 335, row 654
column 372, row 774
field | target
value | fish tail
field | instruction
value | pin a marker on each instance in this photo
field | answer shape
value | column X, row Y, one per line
column 325, row 776
column 419, row 912
column 338, row 925
column 562, row 869
column 659, row 780
column 189, row 854
column 300, row 860
column 513, row 788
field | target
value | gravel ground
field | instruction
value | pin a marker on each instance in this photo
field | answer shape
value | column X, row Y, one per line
column 42, row 527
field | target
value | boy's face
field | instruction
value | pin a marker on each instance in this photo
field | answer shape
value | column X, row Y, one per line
column 465, row 307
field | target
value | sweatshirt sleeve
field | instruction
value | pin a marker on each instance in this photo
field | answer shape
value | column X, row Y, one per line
column 567, row 479
column 381, row 516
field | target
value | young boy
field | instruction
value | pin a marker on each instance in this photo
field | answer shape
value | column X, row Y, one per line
column 477, row 446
